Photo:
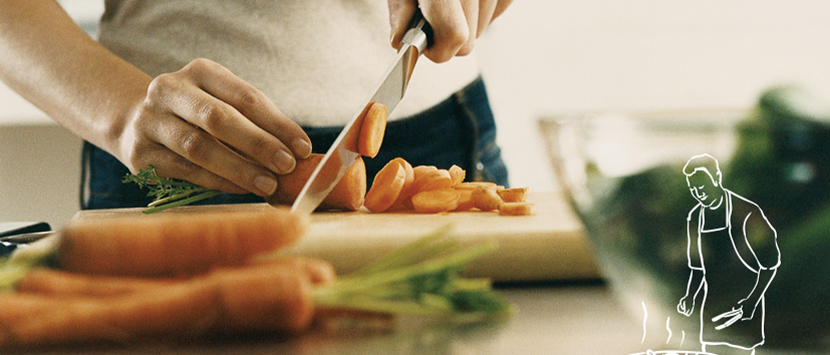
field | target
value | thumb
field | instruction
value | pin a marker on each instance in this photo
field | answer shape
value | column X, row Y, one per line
column 400, row 13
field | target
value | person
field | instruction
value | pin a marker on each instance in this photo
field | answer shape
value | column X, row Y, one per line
column 733, row 255
column 228, row 94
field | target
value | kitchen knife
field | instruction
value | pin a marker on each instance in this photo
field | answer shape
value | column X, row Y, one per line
column 389, row 92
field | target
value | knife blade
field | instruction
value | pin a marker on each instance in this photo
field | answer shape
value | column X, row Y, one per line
column 389, row 92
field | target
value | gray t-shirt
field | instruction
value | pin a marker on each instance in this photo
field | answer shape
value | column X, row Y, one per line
column 318, row 60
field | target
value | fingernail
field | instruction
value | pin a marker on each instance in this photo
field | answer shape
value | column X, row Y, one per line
column 266, row 184
column 284, row 162
column 301, row 147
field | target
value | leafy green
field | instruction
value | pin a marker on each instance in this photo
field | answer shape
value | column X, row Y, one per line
column 421, row 278
column 166, row 192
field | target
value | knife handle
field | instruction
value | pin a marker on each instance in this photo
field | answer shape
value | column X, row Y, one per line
column 419, row 34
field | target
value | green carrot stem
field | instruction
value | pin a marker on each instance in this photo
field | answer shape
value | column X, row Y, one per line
column 182, row 202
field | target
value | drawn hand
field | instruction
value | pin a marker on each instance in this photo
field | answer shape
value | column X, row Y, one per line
column 731, row 317
column 684, row 308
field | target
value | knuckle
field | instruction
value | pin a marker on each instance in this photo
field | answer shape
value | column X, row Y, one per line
column 251, row 98
column 213, row 116
column 161, row 85
column 199, row 65
column 194, row 145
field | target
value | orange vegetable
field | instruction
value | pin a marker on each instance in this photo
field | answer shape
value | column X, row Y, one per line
column 465, row 200
column 353, row 134
column 274, row 296
column 516, row 209
column 175, row 244
column 472, row 185
column 516, row 194
column 486, row 199
column 457, row 174
column 348, row 194
column 372, row 130
column 432, row 180
column 435, row 201
column 406, row 190
column 386, row 187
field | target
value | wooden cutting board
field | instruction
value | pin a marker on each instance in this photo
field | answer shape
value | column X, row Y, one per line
column 549, row 245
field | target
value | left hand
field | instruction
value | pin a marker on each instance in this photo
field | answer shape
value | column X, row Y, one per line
column 456, row 23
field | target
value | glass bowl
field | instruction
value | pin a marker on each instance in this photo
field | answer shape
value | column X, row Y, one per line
column 713, row 226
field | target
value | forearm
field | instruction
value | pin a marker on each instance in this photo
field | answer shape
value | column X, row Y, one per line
column 765, row 277
column 51, row 62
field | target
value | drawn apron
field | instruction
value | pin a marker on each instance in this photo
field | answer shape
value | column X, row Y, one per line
column 727, row 281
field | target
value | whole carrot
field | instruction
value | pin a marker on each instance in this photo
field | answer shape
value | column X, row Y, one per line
column 272, row 296
column 177, row 244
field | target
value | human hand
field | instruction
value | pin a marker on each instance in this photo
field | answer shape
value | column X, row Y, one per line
column 205, row 125
column 456, row 24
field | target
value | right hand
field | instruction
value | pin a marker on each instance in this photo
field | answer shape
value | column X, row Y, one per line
column 685, row 306
column 205, row 125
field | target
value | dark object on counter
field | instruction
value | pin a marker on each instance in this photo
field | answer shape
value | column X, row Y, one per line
column 9, row 230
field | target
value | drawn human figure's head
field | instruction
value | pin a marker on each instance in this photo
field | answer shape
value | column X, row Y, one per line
column 704, row 178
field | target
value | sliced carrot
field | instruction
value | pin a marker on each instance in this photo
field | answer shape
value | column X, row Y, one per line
column 432, row 180
column 435, row 201
column 175, row 244
column 419, row 170
column 516, row 209
column 457, row 174
column 406, row 191
column 353, row 134
column 465, row 200
column 516, row 194
column 486, row 199
column 472, row 185
column 348, row 194
column 386, row 187
column 372, row 130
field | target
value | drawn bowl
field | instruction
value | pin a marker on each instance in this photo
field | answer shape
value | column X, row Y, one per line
column 624, row 175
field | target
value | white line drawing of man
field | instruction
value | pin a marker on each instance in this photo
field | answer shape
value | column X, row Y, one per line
column 731, row 261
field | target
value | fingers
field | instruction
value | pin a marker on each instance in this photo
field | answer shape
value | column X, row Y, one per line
column 225, row 134
column 456, row 23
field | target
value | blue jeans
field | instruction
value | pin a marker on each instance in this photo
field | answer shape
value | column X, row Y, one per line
column 460, row 130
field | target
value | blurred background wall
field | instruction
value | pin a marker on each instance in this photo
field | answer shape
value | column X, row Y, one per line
column 542, row 58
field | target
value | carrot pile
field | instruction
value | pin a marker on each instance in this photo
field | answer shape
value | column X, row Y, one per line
column 125, row 279
column 399, row 186
column 185, row 276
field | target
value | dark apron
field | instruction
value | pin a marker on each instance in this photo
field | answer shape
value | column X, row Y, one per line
column 727, row 281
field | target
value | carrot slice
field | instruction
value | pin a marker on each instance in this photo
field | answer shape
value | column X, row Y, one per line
column 516, row 209
column 432, row 180
column 406, row 191
column 457, row 174
column 348, row 194
column 353, row 135
column 386, row 187
column 175, row 244
column 465, row 200
column 472, row 185
column 516, row 194
column 486, row 199
column 435, row 201
column 372, row 130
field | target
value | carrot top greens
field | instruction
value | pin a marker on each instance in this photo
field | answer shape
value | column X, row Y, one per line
column 167, row 193
column 421, row 278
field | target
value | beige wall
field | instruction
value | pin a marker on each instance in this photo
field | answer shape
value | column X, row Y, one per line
column 39, row 174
